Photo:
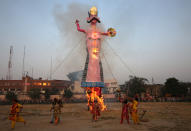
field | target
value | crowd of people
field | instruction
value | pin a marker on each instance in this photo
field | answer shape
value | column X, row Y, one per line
column 129, row 108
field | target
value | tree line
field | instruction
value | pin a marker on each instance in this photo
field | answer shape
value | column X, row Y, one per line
column 172, row 87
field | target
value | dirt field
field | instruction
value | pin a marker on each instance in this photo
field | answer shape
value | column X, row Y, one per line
column 75, row 117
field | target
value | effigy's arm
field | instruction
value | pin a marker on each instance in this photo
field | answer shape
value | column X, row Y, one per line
column 105, row 33
column 78, row 27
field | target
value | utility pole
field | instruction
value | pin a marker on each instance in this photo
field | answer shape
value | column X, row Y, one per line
column 32, row 72
column 51, row 68
column 9, row 75
column 23, row 68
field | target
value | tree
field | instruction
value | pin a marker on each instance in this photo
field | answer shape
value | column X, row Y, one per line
column 34, row 93
column 67, row 93
column 47, row 94
column 175, row 88
column 124, row 87
column 10, row 96
column 172, row 86
column 136, row 85
column 183, row 88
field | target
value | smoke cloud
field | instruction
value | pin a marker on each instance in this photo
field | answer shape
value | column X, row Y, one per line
column 73, row 41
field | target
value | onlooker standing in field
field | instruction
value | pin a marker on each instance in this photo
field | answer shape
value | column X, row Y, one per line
column 52, row 110
column 14, row 115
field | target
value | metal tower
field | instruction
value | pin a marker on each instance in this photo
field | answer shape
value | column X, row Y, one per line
column 9, row 75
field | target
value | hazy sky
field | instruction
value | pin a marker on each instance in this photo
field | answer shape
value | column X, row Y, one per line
column 153, row 37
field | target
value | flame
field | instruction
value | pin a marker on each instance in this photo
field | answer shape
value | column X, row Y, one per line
column 95, row 53
column 95, row 35
column 91, row 96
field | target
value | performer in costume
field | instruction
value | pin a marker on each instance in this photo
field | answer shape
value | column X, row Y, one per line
column 125, row 109
column 96, row 110
column 14, row 115
column 60, row 109
column 134, row 113
column 56, row 111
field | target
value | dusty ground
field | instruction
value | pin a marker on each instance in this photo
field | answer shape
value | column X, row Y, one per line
column 75, row 117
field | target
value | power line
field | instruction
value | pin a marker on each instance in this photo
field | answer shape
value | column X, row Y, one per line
column 59, row 65
column 108, row 66
column 51, row 68
column 122, row 61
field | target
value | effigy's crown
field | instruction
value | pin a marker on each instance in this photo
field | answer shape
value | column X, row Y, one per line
column 93, row 10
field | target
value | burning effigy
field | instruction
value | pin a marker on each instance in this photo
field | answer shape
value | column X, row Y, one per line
column 93, row 80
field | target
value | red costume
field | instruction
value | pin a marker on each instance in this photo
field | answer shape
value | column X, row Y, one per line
column 95, row 111
column 125, row 110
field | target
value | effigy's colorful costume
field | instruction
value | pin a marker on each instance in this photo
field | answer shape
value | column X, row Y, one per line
column 14, row 115
column 92, row 79
column 125, row 110
column 134, row 112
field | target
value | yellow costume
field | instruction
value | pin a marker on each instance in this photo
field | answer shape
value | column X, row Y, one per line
column 134, row 112
column 14, row 115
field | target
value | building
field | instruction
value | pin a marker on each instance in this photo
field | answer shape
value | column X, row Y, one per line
column 110, row 86
column 154, row 90
column 24, row 85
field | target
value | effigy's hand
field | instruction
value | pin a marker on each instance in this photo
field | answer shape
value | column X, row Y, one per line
column 111, row 32
column 77, row 21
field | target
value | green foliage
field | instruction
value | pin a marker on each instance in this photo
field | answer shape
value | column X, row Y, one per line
column 68, row 93
column 136, row 85
column 176, row 88
column 172, row 86
column 34, row 93
column 10, row 96
column 184, row 88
